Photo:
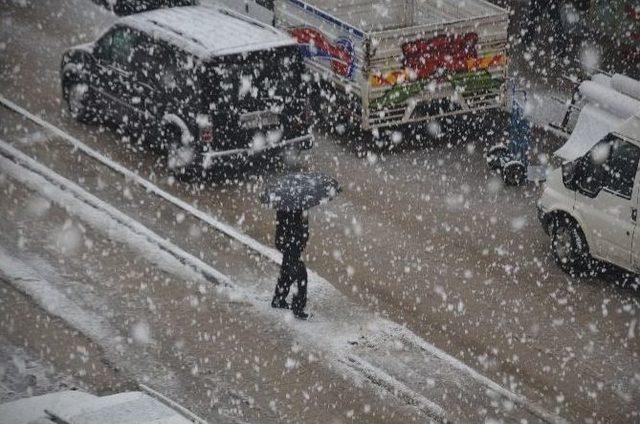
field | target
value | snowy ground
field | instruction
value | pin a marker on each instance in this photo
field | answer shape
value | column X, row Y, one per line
column 425, row 236
column 345, row 337
column 24, row 375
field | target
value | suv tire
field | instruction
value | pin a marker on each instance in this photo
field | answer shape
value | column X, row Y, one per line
column 179, row 158
column 78, row 97
column 569, row 246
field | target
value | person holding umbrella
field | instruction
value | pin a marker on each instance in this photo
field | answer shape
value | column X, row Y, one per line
column 292, row 234
column 292, row 195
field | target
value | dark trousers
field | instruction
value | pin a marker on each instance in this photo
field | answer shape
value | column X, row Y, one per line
column 293, row 270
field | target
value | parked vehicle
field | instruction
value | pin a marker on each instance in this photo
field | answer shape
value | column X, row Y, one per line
column 261, row 10
column 415, row 61
column 145, row 406
column 208, row 85
column 589, row 206
column 127, row 7
column 612, row 24
column 616, row 21
column 512, row 158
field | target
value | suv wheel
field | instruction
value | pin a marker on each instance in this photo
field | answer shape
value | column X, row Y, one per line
column 569, row 247
column 179, row 156
column 78, row 100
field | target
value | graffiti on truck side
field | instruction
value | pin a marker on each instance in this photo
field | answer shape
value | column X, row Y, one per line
column 471, row 82
column 438, row 56
column 314, row 44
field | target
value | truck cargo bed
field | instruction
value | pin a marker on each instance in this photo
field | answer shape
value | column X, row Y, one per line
column 380, row 15
column 395, row 62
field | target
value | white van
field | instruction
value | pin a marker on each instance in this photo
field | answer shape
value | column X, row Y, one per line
column 589, row 206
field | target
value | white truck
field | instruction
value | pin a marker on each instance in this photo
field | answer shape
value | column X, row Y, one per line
column 589, row 206
column 384, row 63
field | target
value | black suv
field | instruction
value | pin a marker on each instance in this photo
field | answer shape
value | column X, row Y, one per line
column 127, row 7
column 209, row 86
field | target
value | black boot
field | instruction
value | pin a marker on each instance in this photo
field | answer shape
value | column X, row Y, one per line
column 301, row 314
column 279, row 303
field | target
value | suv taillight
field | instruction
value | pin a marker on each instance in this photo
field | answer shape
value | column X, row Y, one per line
column 206, row 134
column 205, row 128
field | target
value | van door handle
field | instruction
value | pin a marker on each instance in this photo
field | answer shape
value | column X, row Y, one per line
column 634, row 214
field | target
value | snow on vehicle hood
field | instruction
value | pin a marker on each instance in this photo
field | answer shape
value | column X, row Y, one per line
column 609, row 104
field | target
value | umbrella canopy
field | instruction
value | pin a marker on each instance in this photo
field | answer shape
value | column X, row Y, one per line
column 300, row 191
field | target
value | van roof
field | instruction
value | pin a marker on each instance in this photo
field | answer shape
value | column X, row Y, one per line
column 208, row 31
column 630, row 129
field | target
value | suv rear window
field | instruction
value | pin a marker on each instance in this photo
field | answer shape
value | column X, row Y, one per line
column 256, row 78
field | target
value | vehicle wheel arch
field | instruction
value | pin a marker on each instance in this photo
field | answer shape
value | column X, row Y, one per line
column 73, row 66
column 71, row 73
column 81, row 106
column 561, row 215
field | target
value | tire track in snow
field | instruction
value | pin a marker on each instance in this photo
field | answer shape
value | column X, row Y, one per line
column 387, row 327
column 53, row 301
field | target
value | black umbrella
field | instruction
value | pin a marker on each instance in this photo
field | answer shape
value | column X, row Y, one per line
column 300, row 191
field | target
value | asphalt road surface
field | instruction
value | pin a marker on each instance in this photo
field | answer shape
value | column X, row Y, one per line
column 424, row 235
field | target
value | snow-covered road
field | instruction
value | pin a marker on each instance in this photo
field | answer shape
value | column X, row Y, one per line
column 390, row 357
column 425, row 236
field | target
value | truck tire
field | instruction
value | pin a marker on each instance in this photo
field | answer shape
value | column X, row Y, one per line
column 569, row 246
column 514, row 173
column 78, row 97
column 495, row 155
column 381, row 141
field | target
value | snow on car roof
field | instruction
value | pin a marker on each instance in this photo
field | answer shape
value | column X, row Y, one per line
column 208, row 31
column 630, row 129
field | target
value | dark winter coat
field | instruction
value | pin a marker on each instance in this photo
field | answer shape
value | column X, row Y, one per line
column 292, row 233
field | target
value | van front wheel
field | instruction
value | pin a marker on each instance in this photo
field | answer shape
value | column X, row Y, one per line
column 569, row 247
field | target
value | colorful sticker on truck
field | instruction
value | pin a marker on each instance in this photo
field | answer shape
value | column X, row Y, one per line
column 314, row 44
column 451, row 57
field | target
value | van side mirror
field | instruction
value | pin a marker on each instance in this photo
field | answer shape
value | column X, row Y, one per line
column 569, row 175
